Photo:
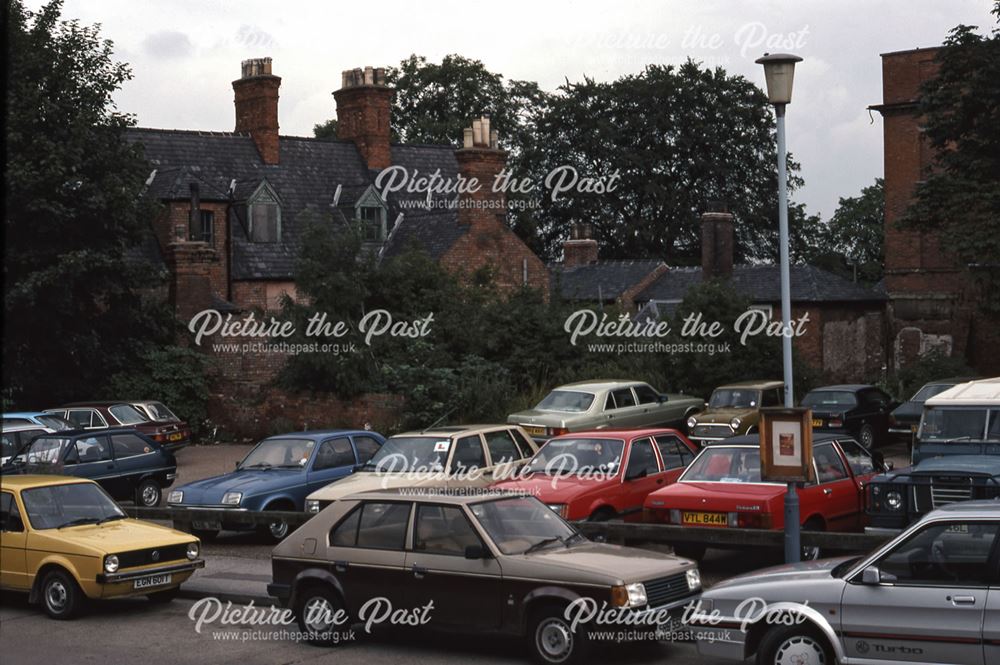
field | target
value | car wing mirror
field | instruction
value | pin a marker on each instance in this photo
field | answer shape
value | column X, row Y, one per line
column 475, row 552
column 664, row 398
column 873, row 575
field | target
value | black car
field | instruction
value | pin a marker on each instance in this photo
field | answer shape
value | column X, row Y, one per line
column 905, row 418
column 128, row 465
column 860, row 410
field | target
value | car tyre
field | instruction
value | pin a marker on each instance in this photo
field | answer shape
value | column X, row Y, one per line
column 786, row 645
column 315, row 606
column 148, row 494
column 164, row 596
column 552, row 640
column 690, row 551
column 61, row 596
column 275, row 531
column 866, row 436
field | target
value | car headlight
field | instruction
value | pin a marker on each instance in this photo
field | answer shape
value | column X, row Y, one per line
column 894, row 500
column 636, row 594
column 693, row 579
column 111, row 563
column 560, row 509
column 192, row 551
column 735, row 423
column 232, row 498
column 312, row 506
column 175, row 497
column 692, row 421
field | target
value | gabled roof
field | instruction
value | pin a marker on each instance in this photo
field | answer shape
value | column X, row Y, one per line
column 602, row 281
column 762, row 284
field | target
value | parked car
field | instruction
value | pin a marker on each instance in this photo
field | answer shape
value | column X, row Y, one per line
column 857, row 409
column 127, row 464
column 172, row 435
column 39, row 418
column 65, row 540
column 603, row 474
column 734, row 409
column 591, row 405
column 277, row 474
column 905, row 418
column 157, row 411
column 926, row 597
column 17, row 437
column 490, row 564
column 461, row 456
column 955, row 457
column 722, row 488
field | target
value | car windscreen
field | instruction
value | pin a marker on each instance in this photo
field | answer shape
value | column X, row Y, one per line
column 726, row 465
column 159, row 411
column 734, row 398
column 67, row 505
column 830, row 399
column 578, row 457
column 127, row 414
column 410, row 453
column 952, row 424
column 520, row 523
column 568, row 401
column 279, row 453
column 55, row 422
column 930, row 390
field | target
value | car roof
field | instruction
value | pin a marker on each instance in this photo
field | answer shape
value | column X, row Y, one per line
column 427, row 495
column 68, row 433
column 95, row 404
column 25, row 414
column 319, row 434
column 27, row 481
column 452, row 430
column 754, row 439
column 762, row 384
column 617, row 433
column 967, row 509
column 599, row 384
column 848, row 387
column 984, row 392
column 30, row 426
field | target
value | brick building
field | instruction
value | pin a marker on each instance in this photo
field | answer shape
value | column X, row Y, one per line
column 932, row 305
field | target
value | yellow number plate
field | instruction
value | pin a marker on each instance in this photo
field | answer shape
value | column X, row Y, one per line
column 534, row 431
column 817, row 422
column 707, row 519
column 175, row 437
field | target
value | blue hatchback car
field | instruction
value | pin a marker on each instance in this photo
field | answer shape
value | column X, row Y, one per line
column 278, row 474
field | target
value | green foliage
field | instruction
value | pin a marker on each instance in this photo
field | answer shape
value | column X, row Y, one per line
column 326, row 130
column 174, row 375
column 960, row 199
column 72, row 311
column 930, row 367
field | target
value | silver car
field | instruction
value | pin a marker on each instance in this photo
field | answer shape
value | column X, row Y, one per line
column 931, row 595
column 591, row 405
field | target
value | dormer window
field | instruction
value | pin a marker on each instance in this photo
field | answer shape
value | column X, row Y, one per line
column 370, row 211
column 264, row 215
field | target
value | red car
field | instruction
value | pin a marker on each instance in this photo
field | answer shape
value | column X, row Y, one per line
column 722, row 488
column 172, row 435
column 603, row 474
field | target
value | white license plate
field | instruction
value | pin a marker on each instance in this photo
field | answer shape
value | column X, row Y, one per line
column 151, row 581
column 207, row 526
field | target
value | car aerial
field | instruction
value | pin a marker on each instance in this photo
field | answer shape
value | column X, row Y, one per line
column 857, row 409
column 41, row 418
column 492, row 563
column 905, row 418
column 65, row 541
column 277, row 474
column 16, row 437
column 455, row 456
column 603, row 474
column 955, row 457
column 926, row 596
column 593, row 405
column 172, row 435
column 722, row 488
column 734, row 409
column 154, row 410
column 127, row 464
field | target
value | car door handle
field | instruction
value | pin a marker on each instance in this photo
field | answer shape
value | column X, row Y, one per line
column 111, row 466
column 827, row 491
column 419, row 571
column 963, row 600
column 341, row 566
column 659, row 481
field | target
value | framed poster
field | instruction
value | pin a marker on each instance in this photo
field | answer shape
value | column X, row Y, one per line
column 786, row 445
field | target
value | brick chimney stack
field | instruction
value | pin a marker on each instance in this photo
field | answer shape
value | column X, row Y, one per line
column 581, row 248
column 363, row 105
column 256, row 98
column 717, row 242
column 481, row 158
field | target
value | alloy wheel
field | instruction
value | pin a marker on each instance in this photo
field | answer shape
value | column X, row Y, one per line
column 800, row 650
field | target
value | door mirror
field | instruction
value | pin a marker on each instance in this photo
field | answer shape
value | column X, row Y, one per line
column 872, row 575
column 237, row 464
column 664, row 398
column 475, row 552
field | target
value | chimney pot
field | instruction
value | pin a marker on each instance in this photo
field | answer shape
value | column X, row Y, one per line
column 363, row 113
column 467, row 138
column 580, row 249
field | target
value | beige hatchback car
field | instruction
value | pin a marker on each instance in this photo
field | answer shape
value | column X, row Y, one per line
column 453, row 457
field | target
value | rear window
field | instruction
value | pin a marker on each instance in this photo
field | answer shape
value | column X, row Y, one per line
column 569, row 401
column 127, row 414
column 830, row 399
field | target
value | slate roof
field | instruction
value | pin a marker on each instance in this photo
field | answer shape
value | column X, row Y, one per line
column 601, row 281
column 305, row 181
column 762, row 284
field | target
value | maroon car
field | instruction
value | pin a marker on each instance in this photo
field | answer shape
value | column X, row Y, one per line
column 172, row 435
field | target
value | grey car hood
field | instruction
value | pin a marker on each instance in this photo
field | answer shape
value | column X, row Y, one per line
column 796, row 573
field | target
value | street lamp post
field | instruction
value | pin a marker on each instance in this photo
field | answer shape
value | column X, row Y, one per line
column 779, row 71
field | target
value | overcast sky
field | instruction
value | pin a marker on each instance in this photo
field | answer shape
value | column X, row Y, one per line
column 185, row 54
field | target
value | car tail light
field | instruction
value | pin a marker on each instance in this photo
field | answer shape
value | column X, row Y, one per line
column 159, row 437
column 754, row 520
column 557, row 431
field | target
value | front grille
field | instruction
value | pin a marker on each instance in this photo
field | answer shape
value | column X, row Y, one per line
column 665, row 590
column 950, row 490
column 721, row 431
column 145, row 557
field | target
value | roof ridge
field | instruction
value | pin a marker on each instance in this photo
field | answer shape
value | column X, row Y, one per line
column 198, row 132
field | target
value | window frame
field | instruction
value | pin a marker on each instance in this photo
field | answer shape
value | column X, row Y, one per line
column 452, row 470
column 357, row 452
column 407, row 536
column 330, row 440
column 264, row 195
column 510, row 438
column 631, row 451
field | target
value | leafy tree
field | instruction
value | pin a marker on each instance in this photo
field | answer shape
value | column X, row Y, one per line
column 175, row 375
column 929, row 367
column 73, row 315
column 960, row 198
column 326, row 130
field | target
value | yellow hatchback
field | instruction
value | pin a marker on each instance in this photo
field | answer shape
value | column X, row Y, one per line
column 63, row 540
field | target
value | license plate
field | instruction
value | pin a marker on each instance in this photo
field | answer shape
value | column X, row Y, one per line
column 151, row 581
column 817, row 422
column 175, row 437
column 534, row 431
column 705, row 519
column 207, row 526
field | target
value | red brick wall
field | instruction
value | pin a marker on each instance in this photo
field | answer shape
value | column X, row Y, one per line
column 363, row 117
column 256, row 102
